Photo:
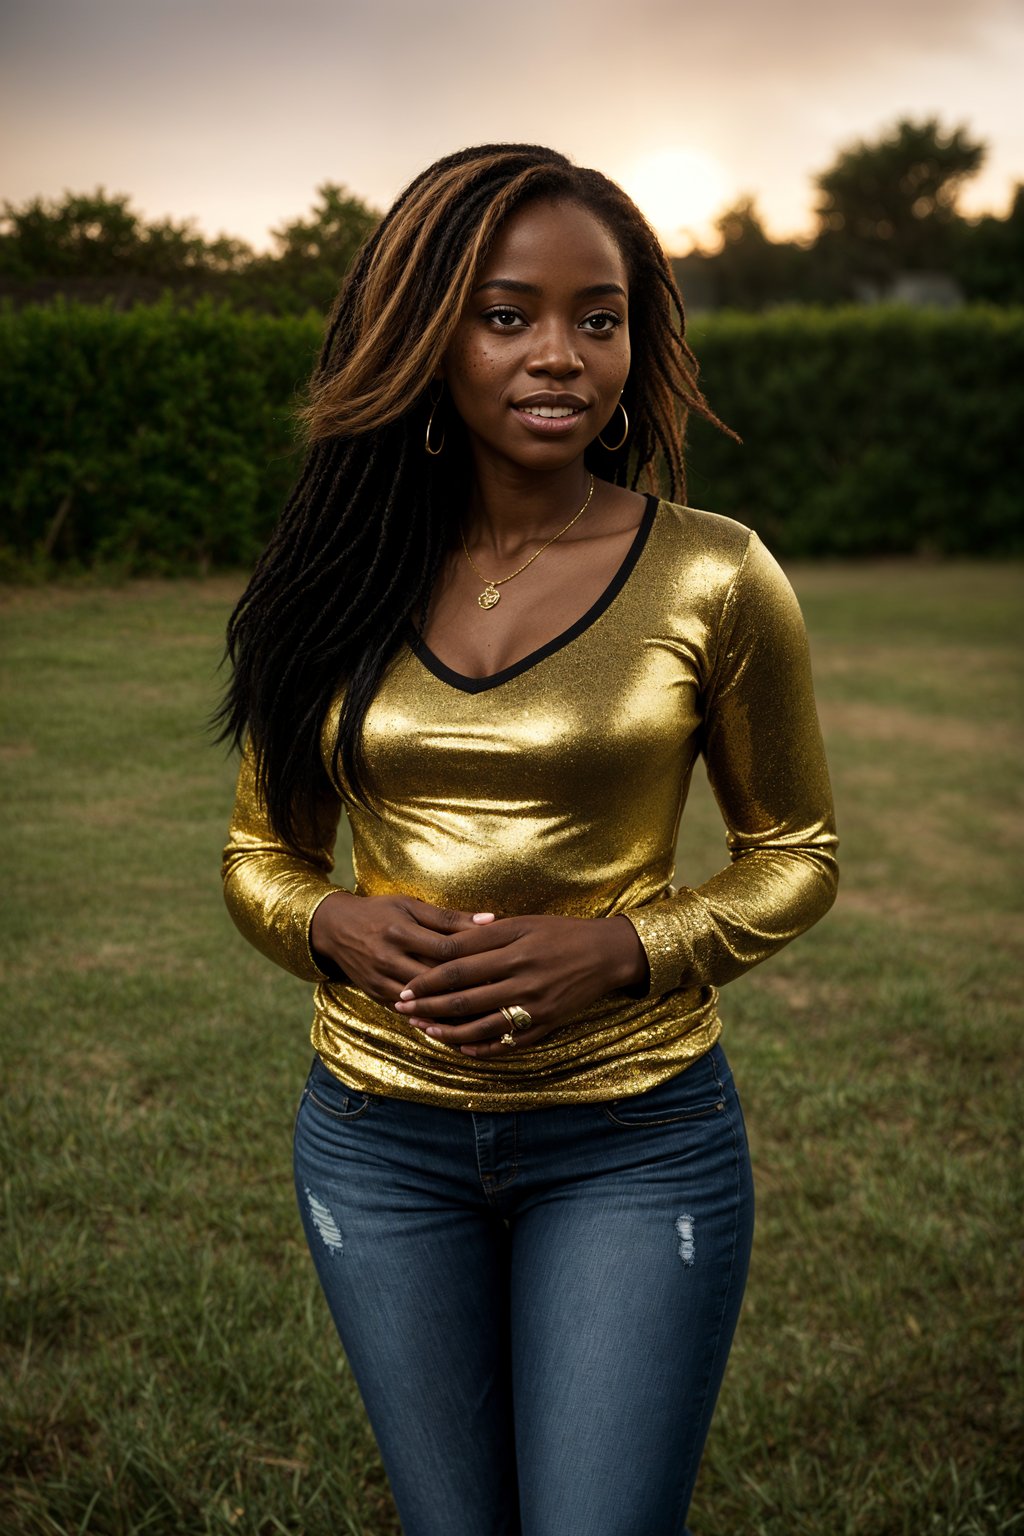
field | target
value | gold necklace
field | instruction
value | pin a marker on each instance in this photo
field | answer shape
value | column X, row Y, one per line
column 490, row 594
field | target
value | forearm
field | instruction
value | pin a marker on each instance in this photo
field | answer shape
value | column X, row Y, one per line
column 271, row 888
column 272, row 903
column 710, row 934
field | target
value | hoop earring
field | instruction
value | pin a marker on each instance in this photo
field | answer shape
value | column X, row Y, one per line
column 430, row 422
column 625, row 432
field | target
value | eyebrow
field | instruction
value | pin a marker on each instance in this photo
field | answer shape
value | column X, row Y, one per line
column 510, row 285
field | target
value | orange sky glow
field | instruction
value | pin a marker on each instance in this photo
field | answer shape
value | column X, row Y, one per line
column 231, row 112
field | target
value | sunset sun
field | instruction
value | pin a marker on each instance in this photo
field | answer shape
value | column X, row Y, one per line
column 679, row 190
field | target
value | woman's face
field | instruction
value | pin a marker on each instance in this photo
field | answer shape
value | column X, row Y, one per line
column 541, row 353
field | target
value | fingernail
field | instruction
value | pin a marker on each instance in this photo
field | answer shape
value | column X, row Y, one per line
column 483, row 917
column 406, row 994
column 434, row 1032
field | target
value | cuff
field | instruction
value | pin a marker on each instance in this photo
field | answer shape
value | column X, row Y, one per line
column 335, row 974
column 661, row 929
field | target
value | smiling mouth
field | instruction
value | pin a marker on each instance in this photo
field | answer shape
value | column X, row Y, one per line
column 549, row 418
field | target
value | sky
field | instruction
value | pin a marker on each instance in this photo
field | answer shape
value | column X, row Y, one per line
column 232, row 112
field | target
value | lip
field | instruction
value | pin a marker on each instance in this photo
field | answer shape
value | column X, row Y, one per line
column 548, row 397
column 550, row 426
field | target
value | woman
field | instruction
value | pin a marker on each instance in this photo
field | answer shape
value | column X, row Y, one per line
column 520, row 1159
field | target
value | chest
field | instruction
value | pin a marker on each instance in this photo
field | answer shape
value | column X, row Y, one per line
column 605, row 718
column 477, row 639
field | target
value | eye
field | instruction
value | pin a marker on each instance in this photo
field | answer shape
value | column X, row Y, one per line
column 602, row 322
column 504, row 318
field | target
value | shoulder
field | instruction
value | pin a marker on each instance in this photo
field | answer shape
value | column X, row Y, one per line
column 720, row 560
column 694, row 534
column 706, row 548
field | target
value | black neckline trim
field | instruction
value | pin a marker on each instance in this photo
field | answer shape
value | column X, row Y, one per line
column 466, row 684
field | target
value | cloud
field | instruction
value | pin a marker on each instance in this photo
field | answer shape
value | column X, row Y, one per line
column 235, row 109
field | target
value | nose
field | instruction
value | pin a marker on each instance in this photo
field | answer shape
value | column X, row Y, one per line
column 555, row 351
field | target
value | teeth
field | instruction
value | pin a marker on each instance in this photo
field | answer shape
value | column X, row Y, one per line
column 549, row 410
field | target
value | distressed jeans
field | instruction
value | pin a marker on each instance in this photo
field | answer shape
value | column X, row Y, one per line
column 537, row 1307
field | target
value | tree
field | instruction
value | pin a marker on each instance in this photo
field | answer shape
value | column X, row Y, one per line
column 95, row 246
column 313, row 254
column 94, row 235
column 749, row 270
column 740, row 226
column 339, row 224
column 890, row 206
column 989, row 257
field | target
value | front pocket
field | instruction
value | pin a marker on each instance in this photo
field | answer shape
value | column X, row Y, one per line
column 690, row 1095
column 334, row 1097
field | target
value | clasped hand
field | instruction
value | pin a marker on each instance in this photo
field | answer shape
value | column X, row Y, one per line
column 450, row 973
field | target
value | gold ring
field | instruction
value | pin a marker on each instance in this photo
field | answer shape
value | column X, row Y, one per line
column 517, row 1017
column 508, row 1038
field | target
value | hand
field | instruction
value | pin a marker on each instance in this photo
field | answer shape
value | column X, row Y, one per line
column 380, row 941
column 551, row 966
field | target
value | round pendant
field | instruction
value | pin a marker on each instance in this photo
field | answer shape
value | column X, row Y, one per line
column 488, row 597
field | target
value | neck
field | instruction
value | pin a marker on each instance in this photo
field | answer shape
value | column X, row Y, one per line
column 509, row 509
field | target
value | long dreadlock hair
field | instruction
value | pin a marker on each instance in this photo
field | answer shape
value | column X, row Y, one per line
column 360, row 542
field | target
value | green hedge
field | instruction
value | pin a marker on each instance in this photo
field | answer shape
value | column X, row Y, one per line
column 155, row 440
column 162, row 439
column 866, row 431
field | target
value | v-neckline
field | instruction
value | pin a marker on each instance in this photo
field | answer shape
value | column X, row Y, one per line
column 465, row 684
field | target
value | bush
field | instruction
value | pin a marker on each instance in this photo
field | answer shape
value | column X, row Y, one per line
column 157, row 440
column 161, row 439
column 866, row 431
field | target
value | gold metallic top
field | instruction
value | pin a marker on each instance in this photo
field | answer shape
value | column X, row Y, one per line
column 557, row 786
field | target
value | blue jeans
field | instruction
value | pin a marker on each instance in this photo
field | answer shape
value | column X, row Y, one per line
column 537, row 1307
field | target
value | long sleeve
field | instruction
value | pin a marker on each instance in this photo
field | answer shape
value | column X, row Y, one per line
column 554, row 786
column 766, row 766
column 273, row 888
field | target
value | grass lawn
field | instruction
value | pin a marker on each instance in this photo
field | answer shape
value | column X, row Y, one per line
column 168, row 1364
